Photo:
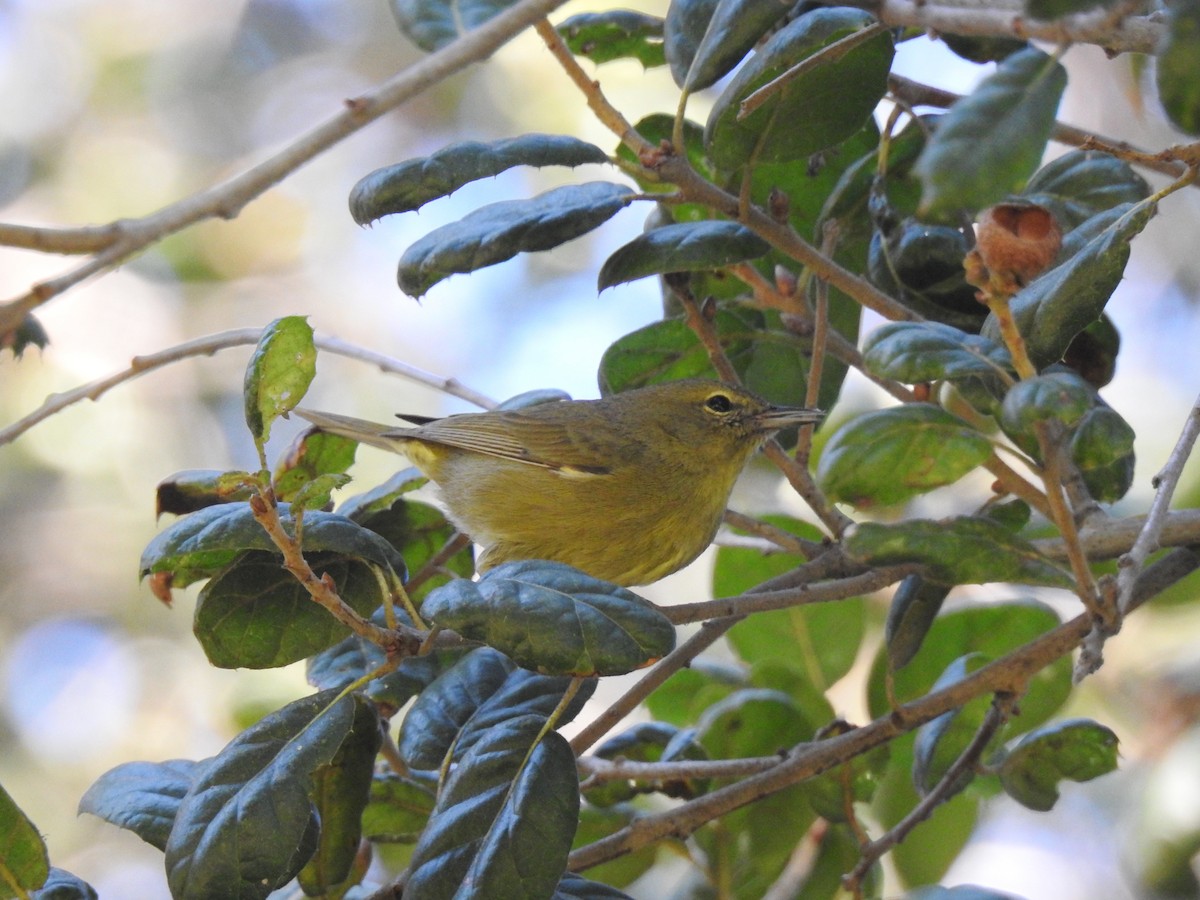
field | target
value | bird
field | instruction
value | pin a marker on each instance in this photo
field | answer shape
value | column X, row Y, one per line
column 628, row 488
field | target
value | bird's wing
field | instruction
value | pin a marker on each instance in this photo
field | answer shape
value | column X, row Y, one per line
column 521, row 438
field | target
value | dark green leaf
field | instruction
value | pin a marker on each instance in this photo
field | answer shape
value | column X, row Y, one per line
column 352, row 658
column 596, row 823
column 313, row 454
column 732, row 31
column 1176, row 74
column 379, row 499
column 1102, row 448
column 432, row 24
column 687, row 693
column 683, row 30
column 1056, row 306
column 959, row 550
column 685, row 247
column 854, row 781
column 29, row 333
column 615, row 34
column 142, row 797
column 194, row 489
column 500, row 231
column 941, row 741
column 504, row 819
column 1093, row 352
column 922, row 266
column 340, row 793
column 478, row 692
column 554, row 619
column 24, row 863
column 982, row 48
column 205, row 542
column 914, row 352
column 752, row 722
column 816, row 110
column 659, row 127
column 398, row 809
column 1081, row 183
column 411, row 184
column 1056, row 9
column 888, row 456
column 576, row 887
column 279, row 373
column 62, row 885
column 1074, row 749
column 247, row 825
column 648, row 742
column 914, row 607
column 1061, row 397
column 990, row 142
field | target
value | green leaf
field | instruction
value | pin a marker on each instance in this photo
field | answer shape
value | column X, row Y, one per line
column 398, row 810
column 1074, row 749
column 1062, row 302
column 1079, row 184
column 596, row 823
column 256, row 615
column 1057, row 9
column 432, row 24
column 915, row 352
column 411, row 184
column 1175, row 68
column 62, row 885
column 142, row 797
column 205, row 542
column 1102, row 448
column 733, row 29
column 990, row 142
column 922, row 266
column 752, row 722
column 684, row 247
column 958, row 550
column 504, row 819
column 247, row 825
column 194, row 489
column 29, row 333
column 913, row 609
column 576, row 887
column 313, row 454
column 500, row 231
column 554, row 619
column 941, row 741
column 886, row 457
column 683, row 30
column 816, row 110
column 648, row 742
column 24, row 863
column 1061, row 397
column 616, row 34
column 477, row 693
column 279, row 373
column 341, row 791
column 687, row 693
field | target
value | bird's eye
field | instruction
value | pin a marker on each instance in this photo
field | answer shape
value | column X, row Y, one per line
column 719, row 403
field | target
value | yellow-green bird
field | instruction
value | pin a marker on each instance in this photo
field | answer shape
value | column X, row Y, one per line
column 629, row 488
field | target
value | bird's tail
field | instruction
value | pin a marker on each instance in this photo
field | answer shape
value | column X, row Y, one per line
column 386, row 437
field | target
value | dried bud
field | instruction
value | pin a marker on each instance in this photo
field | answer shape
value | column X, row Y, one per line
column 779, row 205
column 1016, row 242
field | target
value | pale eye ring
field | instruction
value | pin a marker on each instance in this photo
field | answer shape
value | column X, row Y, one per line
column 719, row 403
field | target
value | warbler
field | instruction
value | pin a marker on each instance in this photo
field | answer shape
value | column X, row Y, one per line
column 628, row 489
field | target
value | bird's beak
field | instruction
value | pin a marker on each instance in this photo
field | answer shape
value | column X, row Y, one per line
column 774, row 418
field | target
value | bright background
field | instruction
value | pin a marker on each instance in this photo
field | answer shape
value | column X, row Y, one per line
column 115, row 108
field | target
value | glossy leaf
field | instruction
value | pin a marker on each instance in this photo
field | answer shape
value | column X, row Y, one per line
column 1056, row 306
column 312, row 455
column 501, row 230
column 279, row 372
column 914, row 607
column 921, row 265
column 684, row 247
column 1079, row 184
column 648, row 742
column 888, row 456
column 398, row 809
column 818, row 109
column 576, row 887
column 142, row 797
column 62, row 885
column 1061, row 397
column 1074, row 750
column 341, row 791
column 194, row 489
column 554, row 619
column 752, row 722
column 959, row 550
column 914, row 352
column 24, row 863
column 615, row 34
column 432, row 24
column 504, row 819
column 205, row 542
column 683, row 30
column 247, row 825
column 991, row 141
column 411, row 184
column 1102, row 448
column 941, row 741
column 29, row 332
column 1175, row 68
column 478, row 692
column 732, row 31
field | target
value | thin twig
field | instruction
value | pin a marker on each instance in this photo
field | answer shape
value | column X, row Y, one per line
column 227, row 199
column 782, row 539
column 600, row 771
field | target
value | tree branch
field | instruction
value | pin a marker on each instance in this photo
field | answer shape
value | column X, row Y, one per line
column 227, row 199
